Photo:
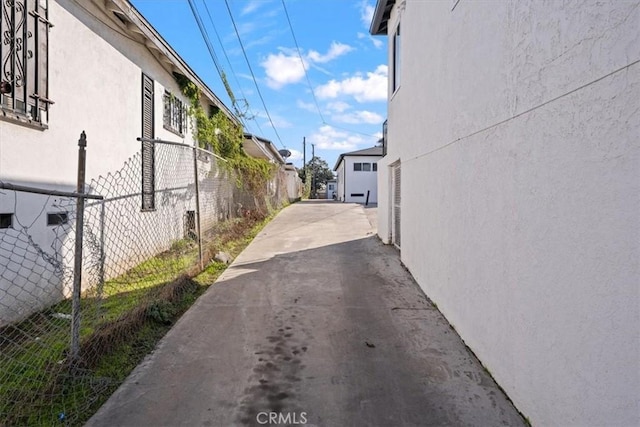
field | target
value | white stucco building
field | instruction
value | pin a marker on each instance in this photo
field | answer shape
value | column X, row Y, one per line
column 331, row 189
column 357, row 177
column 95, row 66
column 511, row 185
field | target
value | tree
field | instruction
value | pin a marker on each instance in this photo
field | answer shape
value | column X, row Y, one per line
column 318, row 171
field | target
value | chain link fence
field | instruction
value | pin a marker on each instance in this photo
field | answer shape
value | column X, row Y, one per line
column 136, row 259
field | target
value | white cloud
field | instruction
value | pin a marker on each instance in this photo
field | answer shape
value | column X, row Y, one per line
column 251, row 6
column 295, row 156
column 364, row 88
column 278, row 121
column 377, row 43
column 283, row 69
column 338, row 106
column 366, row 12
column 329, row 138
column 259, row 41
column 309, row 106
column 286, row 67
column 335, row 50
column 359, row 117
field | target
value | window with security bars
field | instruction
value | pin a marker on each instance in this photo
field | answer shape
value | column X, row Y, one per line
column 175, row 114
column 24, row 39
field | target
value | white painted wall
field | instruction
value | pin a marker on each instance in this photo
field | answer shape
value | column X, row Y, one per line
column 331, row 189
column 95, row 72
column 340, row 182
column 517, row 127
column 294, row 185
column 352, row 182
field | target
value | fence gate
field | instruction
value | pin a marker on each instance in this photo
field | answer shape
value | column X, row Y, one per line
column 395, row 209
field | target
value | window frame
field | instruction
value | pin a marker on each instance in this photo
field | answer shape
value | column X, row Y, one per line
column 396, row 60
column 56, row 219
column 174, row 118
column 3, row 220
column 24, row 48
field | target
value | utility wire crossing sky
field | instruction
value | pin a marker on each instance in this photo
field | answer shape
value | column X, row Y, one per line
column 290, row 68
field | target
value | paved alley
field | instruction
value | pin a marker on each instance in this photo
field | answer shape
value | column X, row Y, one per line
column 315, row 323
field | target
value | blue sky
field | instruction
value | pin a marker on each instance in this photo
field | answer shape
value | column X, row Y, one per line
column 345, row 66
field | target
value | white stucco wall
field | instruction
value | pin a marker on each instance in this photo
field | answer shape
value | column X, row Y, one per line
column 95, row 79
column 357, row 182
column 331, row 189
column 517, row 127
column 340, row 182
column 294, row 185
column 96, row 86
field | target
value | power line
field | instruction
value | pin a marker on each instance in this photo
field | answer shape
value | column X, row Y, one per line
column 252, row 74
column 315, row 100
column 224, row 51
column 306, row 74
column 214, row 57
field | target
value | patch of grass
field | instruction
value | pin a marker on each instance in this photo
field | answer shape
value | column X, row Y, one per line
column 39, row 386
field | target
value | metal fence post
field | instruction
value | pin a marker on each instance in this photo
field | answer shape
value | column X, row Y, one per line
column 77, row 267
column 197, row 187
column 102, row 254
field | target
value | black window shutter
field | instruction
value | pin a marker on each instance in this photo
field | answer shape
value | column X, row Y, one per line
column 148, row 149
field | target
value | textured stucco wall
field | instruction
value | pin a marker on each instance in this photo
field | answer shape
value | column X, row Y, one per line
column 95, row 79
column 517, row 126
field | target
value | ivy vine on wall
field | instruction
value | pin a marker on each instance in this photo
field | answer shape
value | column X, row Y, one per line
column 225, row 139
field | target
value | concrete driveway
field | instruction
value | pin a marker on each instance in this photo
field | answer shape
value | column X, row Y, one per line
column 315, row 323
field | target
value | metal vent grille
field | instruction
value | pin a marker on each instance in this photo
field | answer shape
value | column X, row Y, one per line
column 396, row 205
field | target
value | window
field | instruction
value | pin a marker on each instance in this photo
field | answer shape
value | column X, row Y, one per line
column 363, row 167
column 330, row 186
column 148, row 148
column 384, row 138
column 357, row 194
column 175, row 114
column 24, row 39
column 375, row 167
column 6, row 220
column 57, row 218
column 396, row 60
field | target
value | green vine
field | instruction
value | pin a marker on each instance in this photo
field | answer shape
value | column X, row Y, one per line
column 225, row 139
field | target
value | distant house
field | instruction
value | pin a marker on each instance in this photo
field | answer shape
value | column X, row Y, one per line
column 357, row 178
column 331, row 189
column 511, row 183
column 262, row 148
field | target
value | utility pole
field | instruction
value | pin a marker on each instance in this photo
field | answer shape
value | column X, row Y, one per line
column 313, row 172
column 304, row 158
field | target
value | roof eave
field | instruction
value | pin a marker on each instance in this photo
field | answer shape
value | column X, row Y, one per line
column 266, row 147
column 159, row 44
column 381, row 17
column 335, row 168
